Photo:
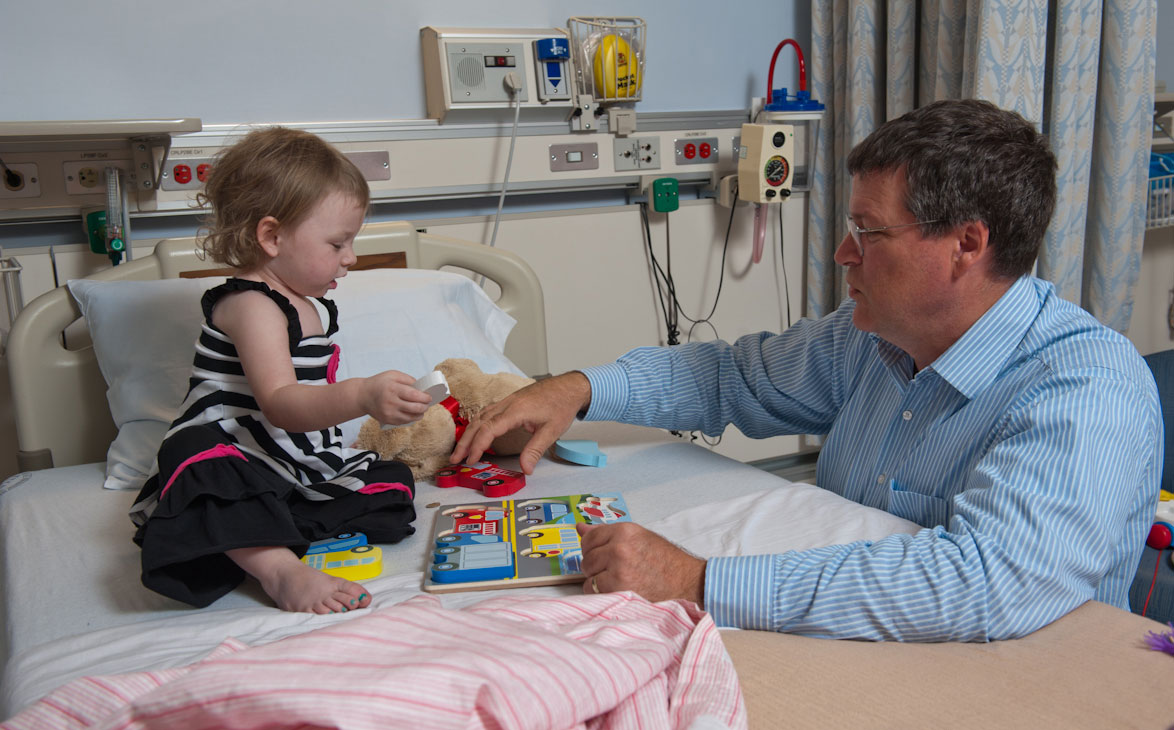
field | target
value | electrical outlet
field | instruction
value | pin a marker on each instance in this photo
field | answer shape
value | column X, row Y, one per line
column 20, row 181
column 637, row 153
column 696, row 150
column 186, row 173
column 87, row 177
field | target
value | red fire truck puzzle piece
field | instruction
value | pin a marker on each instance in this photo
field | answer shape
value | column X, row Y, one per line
column 490, row 479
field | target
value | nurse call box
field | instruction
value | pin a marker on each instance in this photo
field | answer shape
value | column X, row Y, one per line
column 467, row 74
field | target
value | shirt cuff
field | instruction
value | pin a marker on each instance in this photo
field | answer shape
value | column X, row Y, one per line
column 609, row 392
column 739, row 591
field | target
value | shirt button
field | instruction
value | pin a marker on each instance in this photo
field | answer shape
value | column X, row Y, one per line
column 907, row 415
column 880, row 478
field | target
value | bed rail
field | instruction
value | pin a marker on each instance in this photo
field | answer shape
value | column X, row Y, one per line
column 59, row 395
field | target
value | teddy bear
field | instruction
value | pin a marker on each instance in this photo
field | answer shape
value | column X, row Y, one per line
column 424, row 445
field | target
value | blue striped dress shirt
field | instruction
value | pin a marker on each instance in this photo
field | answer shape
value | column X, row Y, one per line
column 1030, row 452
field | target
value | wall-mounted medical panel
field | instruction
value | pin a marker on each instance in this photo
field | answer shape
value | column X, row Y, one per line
column 481, row 74
column 402, row 161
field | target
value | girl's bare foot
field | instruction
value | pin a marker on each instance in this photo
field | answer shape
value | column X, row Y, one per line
column 295, row 586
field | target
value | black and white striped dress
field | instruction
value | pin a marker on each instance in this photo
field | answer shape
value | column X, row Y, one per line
column 227, row 478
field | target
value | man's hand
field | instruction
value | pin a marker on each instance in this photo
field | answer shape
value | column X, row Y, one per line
column 545, row 409
column 626, row 557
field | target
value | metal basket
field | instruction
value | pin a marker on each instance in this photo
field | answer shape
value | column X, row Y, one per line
column 1160, row 210
column 13, row 297
column 608, row 56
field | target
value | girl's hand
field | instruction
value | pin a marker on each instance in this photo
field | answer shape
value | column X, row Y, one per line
column 390, row 398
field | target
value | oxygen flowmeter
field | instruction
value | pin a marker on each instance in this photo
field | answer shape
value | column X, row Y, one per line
column 108, row 229
column 104, row 238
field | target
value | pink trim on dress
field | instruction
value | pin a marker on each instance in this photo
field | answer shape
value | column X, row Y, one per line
column 216, row 452
column 378, row 487
column 332, row 366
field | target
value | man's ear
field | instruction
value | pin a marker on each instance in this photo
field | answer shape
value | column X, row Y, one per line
column 267, row 229
column 973, row 246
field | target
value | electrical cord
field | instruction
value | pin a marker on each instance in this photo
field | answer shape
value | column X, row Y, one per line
column 1153, row 581
column 664, row 275
column 11, row 179
column 658, row 274
column 717, row 296
column 783, row 263
column 672, row 304
column 509, row 161
column 514, row 86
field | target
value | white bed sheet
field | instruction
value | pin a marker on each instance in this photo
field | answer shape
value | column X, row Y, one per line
column 74, row 605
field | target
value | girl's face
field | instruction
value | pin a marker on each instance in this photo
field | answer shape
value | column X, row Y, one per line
column 318, row 251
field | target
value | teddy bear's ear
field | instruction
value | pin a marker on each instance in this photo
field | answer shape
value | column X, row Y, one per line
column 457, row 365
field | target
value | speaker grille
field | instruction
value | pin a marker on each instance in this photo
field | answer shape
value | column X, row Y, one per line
column 471, row 71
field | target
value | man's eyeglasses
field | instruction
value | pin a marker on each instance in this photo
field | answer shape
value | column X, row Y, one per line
column 858, row 233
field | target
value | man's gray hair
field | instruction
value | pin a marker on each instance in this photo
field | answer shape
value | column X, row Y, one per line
column 968, row 160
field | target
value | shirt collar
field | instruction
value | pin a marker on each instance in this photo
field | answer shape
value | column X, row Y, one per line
column 973, row 362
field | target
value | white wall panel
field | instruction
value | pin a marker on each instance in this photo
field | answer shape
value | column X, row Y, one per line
column 600, row 299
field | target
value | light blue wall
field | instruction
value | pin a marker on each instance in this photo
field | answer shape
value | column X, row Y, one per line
column 1165, row 60
column 235, row 61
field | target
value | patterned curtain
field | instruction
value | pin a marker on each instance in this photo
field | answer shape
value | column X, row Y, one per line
column 1082, row 70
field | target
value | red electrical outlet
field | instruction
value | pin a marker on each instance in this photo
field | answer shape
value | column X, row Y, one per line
column 696, row 150
column 186, row 173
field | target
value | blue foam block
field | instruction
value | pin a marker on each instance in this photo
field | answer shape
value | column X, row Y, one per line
column 580, row 452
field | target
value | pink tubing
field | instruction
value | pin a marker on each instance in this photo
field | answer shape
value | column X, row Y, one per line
column 759, row 231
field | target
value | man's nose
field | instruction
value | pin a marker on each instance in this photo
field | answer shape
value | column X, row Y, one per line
column 847, row 253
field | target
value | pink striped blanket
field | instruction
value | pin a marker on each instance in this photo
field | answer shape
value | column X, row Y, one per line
column 605, row 661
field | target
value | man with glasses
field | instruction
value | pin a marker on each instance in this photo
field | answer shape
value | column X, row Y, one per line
column 954, row 389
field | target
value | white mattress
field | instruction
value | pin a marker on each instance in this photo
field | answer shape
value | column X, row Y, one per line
column 74, row 605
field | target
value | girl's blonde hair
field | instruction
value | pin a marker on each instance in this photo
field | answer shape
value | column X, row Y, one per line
column 277, row 172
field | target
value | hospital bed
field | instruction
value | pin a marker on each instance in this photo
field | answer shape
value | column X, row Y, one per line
column 73, row 605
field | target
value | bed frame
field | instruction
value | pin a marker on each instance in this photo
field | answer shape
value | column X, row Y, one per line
column 58, row 393
column 1090, row 669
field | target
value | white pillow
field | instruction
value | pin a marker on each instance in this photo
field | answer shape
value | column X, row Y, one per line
column 144, row 335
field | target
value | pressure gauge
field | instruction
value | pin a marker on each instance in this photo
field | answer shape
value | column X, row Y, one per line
column 776, row 170
column 764, row 167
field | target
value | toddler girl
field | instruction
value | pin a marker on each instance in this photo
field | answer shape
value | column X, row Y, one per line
column 253, row 469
